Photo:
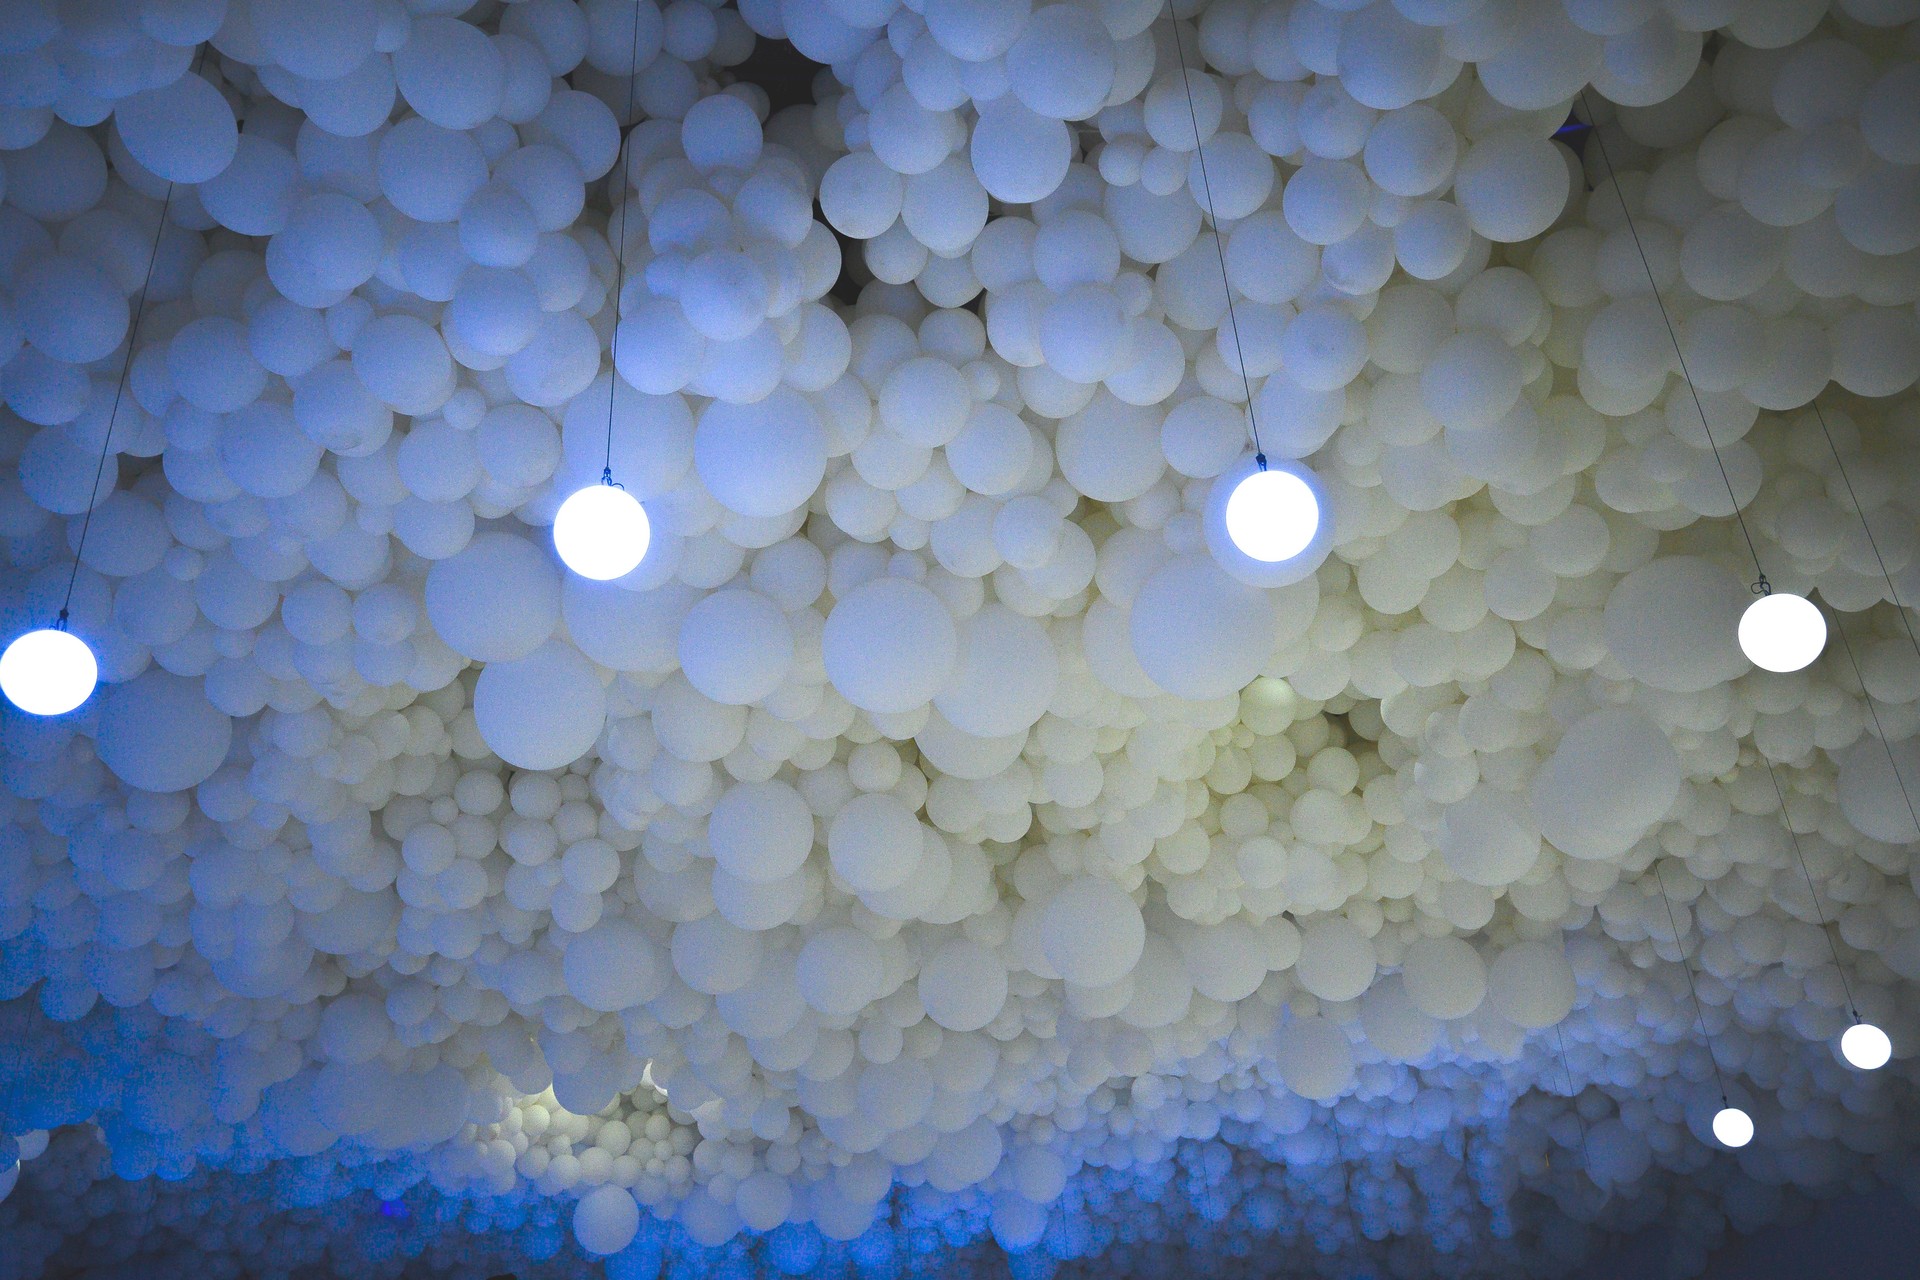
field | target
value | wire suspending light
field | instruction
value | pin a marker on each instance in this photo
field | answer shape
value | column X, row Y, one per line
column 1732, row 1126
column 1873, row 712
column 1778, row 632
column 1860, row 1042
column 601, row 531
column 1273, row 513
column 1873, row 543
column 51, row 671
column 1893, row 594
column 1573, row 1100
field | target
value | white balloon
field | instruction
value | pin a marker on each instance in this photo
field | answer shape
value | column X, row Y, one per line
column 613, row 966
column 1314, row 1058
column 1336, row 960
column 606, row 1220
column 875, row 843
column 963, row 985
column 496, row 600
column 1444, row 977
column 1197, row 632
column 541, row 711
column 840, row 971
column 159, row 733
column 1531, row 984
column 889, row 645
column 1612, row 776
column 1672, row 624
column 1489, row 838
column 1512, row 185
column 1876, row 778
column 1005, row 677
column 760, row 831
column 762, row 459
column 736, row 646
column 1092, row 932
column 183, row 132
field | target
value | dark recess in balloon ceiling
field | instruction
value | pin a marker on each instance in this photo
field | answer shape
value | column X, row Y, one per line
column 787, row 76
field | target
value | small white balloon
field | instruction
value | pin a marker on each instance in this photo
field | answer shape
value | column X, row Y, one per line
column 1782, row 632
column 1866, row 1046
column 1272, row 515
column 602, row 532
column 48, row 672
column 1733, row 1127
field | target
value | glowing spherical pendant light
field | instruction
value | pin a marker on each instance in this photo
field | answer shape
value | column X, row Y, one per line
column 1866, row 1046
column 602, row 532
column 48, row 672
column 1272, row 515
column 1733, row 1127
column 1782, row 632
column 1267, row 521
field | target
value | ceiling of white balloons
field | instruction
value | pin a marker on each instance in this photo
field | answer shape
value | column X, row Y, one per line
column 908, row 637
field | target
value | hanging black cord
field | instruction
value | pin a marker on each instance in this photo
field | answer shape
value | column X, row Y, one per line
column 1573, row 1101
column 1893, row 592
column 120, row 388
column 1879, row 729
column 1760, row 585
column 1219, row 248
column 1826, row 930
column 622, row 159
column 1686, row 966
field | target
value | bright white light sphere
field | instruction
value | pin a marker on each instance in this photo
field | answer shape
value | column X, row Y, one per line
column 1782, row 632
column 601, row 532
column 1268, row 526
column 48, row 672
column 1866, row 1046
column 1272, row 515
column 1733, row 1127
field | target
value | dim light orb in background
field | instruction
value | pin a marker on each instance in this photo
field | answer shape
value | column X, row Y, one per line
column 1866, row 1046
column 1782, row 632
column 602, row 532
column 1733, row 1127
column 48, row 672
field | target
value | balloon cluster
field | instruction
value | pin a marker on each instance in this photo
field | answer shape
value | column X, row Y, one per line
column 946, row 788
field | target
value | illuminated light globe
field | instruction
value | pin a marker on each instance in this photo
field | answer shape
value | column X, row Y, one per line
column 48, row 672
column 1782, row 632
column 1865, row 1046
column 1733, row 1127
column 601, row 532
column 1272, row 515
column 1268, row 526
